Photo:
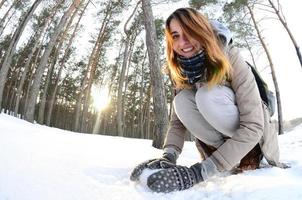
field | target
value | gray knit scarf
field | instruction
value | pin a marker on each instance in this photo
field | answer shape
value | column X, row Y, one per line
column 194, row 67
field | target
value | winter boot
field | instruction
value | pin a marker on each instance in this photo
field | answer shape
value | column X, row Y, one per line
column 251, row 161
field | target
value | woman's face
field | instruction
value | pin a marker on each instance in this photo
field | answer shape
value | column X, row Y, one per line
column 181, row 44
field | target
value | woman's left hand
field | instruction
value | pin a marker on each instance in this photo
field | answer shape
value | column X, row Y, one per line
column 175, row 178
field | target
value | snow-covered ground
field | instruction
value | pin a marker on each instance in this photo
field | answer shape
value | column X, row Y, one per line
column 42, row 163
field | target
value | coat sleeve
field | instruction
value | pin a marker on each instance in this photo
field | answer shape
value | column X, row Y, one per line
column 251, row 119
column 176, row 133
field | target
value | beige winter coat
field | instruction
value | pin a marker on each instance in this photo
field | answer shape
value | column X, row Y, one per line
column 255, row 125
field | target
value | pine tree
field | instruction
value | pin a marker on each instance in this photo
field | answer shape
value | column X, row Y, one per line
column 30, row 107
column 12, row 47
column 158, row 92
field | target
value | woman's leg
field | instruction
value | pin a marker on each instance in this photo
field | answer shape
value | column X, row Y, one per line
column 212, row 116
column 188, row 113
column 218, row 106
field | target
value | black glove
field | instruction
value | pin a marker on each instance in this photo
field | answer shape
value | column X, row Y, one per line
column 168, row 160
column 175, row 178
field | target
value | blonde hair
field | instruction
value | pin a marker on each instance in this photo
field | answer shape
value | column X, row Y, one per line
column 195, row 25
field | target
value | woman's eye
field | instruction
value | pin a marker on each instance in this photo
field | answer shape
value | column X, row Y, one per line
column 175, row 37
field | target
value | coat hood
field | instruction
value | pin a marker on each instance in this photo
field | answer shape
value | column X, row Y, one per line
column 223, row 33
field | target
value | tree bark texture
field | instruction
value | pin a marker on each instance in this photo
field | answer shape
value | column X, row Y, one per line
column 158, row 92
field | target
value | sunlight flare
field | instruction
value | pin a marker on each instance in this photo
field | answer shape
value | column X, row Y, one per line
column 101, row 97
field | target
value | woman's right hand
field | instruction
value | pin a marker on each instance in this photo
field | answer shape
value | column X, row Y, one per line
column 168, row 160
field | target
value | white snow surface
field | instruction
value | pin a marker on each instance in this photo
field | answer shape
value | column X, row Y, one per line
column 42, row 163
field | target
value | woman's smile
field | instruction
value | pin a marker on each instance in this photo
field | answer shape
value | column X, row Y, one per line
column 182, row 45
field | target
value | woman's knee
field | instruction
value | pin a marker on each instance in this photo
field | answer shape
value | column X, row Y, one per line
column 216, row 105
column 184, row 97
column 184, row 103
column 210, row 99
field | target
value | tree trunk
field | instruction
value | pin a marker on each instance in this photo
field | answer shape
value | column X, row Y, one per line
column 26, row 96
column 58, row 117
column 97, row 124
column 120, row 122
column 29, row 114
column 6, row 97
column 283, row 22
column 78, row 109
column 46, row 86
column 148, row 113
column 141, row 107
column 31, row 75
column 280, row 117
column 62, row 63
column 141, row 113
column 1, row 3
column 50, row 72
column 2, row 21
column 9, row 90
column 124, row 91
column 6, row 23
column 107, row 115
column 93, row 61
column 12, row 47
column 27, row 64
column 13, row 92
column 158, row 91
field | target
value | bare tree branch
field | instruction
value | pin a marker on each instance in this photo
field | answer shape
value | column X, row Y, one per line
column 130, row 17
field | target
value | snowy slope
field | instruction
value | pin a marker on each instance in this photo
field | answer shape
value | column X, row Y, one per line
column 42, row 163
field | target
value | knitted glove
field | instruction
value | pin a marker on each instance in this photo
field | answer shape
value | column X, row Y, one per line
column 168, row 160
column 175, row 178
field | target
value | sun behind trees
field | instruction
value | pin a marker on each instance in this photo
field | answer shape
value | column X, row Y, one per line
column 52, row 53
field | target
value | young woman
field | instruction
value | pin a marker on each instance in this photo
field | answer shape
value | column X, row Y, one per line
column 217, row 101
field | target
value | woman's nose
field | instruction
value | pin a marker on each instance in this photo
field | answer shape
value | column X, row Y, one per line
column 184, row 40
